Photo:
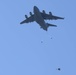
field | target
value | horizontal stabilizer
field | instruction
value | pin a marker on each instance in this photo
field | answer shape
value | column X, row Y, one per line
column 51, row 25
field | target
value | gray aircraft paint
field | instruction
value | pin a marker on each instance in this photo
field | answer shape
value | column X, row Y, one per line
column 39, row 17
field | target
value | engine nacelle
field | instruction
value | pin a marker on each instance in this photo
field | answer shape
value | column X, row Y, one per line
column 44, row 11
column 50, row 13
column 26, row 16
column 31, row 13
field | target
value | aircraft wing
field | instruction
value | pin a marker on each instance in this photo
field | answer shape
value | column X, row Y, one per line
column 50, row 17
column 29, row 19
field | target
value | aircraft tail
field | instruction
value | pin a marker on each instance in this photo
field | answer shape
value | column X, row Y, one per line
column 52, row 25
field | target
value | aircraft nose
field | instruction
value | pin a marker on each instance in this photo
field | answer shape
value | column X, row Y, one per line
column 35, row 7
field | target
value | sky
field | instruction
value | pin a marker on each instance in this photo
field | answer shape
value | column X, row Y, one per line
column 29, row 50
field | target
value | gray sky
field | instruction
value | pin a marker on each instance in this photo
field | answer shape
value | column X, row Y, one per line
column 21, row 50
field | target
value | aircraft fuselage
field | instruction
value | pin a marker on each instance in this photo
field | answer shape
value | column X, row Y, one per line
column 39, row 19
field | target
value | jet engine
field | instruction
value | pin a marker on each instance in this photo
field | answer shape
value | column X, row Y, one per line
column 31, row 13
column 50, row 13
column 44, row 11
column 26, row 16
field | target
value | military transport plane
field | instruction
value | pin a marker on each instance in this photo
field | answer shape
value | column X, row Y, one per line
column 39, row 17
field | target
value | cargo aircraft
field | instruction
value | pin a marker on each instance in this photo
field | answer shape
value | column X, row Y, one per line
column 39, row 17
